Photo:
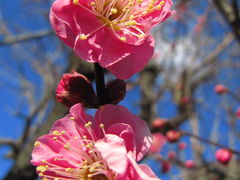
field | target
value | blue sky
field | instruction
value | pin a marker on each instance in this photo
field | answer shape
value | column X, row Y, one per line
column 23, row 18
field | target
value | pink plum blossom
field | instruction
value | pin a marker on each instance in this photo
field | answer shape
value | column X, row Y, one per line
column 114, row 34
column 104, row 147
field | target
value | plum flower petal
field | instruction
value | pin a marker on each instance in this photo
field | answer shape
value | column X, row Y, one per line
column 141, row 55
column 81, row 148
column 109, row 32
column 139, row 172
column 110, row 114
column 114, row 152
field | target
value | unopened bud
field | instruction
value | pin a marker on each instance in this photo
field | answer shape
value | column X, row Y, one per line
column 173, row 136
column 171, row 154
column 189, row 164
column 158, row 123
column 182, row 145
column 223, row 155
column 186, row 100
column 115, row 91
column 238, row 113
column 166, row 166
column 220, row 89
column 75, row 88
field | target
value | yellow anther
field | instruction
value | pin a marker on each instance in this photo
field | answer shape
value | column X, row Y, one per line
column 117, row 27
column 162, row 3
column 82, row 36
column 69, row 170
column 139, row 1
column 84, row 137
column 131, row 17
column 41, row 174
column 113, row 10
column 92, row 169
column 44, row 161
column 150, row 7
column 131, row 23
column 158, row 7
column 76, row 2
column 85, row 162
column 55, row 138
column 141, row 35
column 88, row 124
column 66, row 146
column 56, row 178
column 93, row 3
column 42, row 169
column 72, row 118
column 63, row 132
column 37, row 143
column 91, row 151
column 122, row 38
column 101, row 125
column 89, row 145
column 85, row 167
column 56, row 133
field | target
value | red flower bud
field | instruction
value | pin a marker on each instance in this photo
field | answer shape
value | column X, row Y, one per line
column 182, row 145
column 173, row 136
column 186, row 100
column 238, row 113
column 158, row 123
column 223, row 155
column 220, row 89
column 75, row 88
column 189, row 164
column 166, row 166
column 115, row 91
column 171, row 154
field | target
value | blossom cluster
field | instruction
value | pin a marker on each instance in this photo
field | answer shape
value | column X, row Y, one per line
column 114, row 34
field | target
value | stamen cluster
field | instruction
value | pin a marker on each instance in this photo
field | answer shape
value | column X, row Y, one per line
column 121, row 15
column 80, row 147
column 113, row 33
column 89, row 165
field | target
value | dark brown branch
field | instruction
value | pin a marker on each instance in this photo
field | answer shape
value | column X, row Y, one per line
column 10, row 142
column 210, row 142
column 100, row 83
column 230, row 14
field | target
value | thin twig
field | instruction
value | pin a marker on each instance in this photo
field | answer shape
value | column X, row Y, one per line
column 209, row 142
column 25, row 37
